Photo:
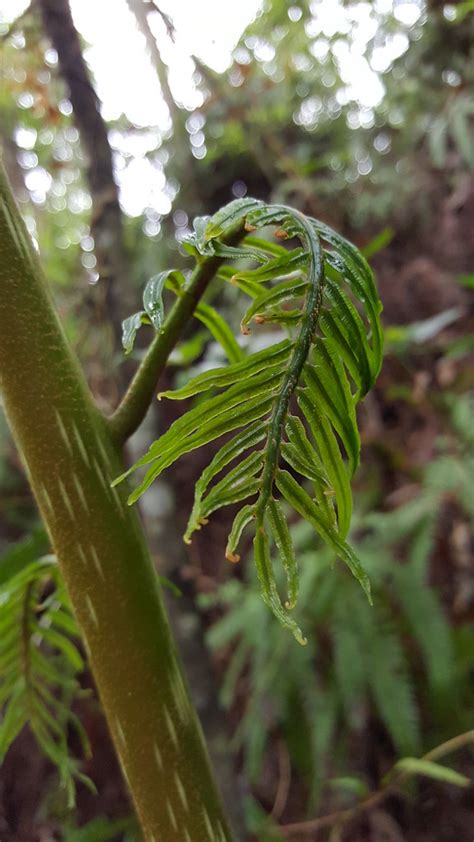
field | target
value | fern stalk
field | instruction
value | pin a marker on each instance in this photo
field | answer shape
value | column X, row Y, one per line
column 72, row 457
column 141, row 391
column 298, row 358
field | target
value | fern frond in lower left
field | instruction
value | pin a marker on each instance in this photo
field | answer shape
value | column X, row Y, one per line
column 39, row 667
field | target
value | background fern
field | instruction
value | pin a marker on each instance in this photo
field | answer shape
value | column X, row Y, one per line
column 329, row 361
column 388, row 662
column 39, row 662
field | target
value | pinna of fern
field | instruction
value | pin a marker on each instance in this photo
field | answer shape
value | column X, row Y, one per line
column 293, row 403
column 39, row 666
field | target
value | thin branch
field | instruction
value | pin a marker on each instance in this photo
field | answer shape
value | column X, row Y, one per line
column 372, row 800
column 133, row 408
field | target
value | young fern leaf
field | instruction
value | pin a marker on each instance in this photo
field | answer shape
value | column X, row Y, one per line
column 329, row 361
column 154, row 311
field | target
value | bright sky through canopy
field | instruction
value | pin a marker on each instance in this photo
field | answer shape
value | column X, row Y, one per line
column 127, row 83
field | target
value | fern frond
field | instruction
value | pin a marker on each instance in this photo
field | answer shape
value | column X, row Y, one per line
column 329, row 361
column 428, row 624
column 39, row 664
column 393, row 691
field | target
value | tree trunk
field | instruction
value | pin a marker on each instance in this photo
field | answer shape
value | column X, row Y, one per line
column 106, row 222
column 71, row 460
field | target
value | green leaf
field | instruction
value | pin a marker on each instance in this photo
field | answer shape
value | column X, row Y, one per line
column 422, row 331
column 331, row 458
column 284, row 546
column 228, row 216
column 242, row 519
column 220, row 330
column 438, row 141
column 196, row 244
column 286, row 264
column 266, row 245
column 428, row 769
column 307, row 508
column 223, row 423
column 13, row 720
column 238, row 484
column 228, row 452
column 264, row 215
column 130, row 327
column 22, row 553
column 269, row 592
column 345, row 327
column 274, row 357
column 355, row 270
column 64, row 645
column 378, row 243
column 194, row 422
column 329, row 390
column 153, row 299
column 461, row 131
column 39, row 663
column 392, row 689
column 356, row 786
column 187, row 352
column 243, row 252
column 277, row 295
column 286, row 318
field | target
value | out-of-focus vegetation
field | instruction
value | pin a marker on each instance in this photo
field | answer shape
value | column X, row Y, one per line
column 360, row 113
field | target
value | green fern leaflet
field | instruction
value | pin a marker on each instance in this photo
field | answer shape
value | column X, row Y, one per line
column 39, row 665
column 293, row 403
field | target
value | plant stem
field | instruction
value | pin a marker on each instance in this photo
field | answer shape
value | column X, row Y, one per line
column 372, row 800
column 71, row 460
column 132, row 409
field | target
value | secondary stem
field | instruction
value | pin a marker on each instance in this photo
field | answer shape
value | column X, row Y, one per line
column 341, row 817
column 132, row 410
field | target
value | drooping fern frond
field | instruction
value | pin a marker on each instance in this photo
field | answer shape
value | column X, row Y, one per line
column 39, row 664
column 293, row 403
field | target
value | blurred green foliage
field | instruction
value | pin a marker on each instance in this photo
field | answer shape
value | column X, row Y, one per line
column 400, row 662
column 40, row 661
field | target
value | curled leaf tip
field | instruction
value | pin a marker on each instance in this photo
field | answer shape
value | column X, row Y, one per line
column 232, row 557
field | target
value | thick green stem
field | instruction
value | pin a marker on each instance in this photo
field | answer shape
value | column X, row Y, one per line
column 71, row 460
